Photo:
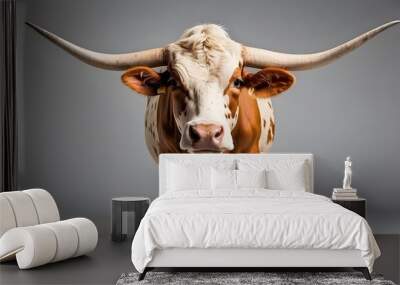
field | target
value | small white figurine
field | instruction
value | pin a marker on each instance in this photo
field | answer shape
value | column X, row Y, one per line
column 347, row 173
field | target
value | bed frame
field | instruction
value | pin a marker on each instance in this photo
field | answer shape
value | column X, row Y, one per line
column 236, row 259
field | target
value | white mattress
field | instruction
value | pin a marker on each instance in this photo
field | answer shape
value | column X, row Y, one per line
column 252, row 218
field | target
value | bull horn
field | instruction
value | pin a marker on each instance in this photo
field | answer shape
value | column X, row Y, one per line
column 260, row 58
column 151, row 57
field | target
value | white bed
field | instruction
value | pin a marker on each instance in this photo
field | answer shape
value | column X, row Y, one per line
column 248, row 227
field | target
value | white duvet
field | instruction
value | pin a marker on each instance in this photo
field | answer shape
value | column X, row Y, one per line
column 251, row 218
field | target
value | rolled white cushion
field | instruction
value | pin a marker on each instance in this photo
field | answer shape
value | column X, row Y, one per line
column 23, row 208
column 33, row 246
column 67, row 240
column 40, row 244
column 7, row 219
column 26, row 208
column 87, row 233
column 46, row 207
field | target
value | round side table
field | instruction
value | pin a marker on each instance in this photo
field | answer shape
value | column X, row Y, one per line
column 127, row 212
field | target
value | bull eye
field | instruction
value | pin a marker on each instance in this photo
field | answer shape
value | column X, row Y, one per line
column 238, row 83
column 172, row 82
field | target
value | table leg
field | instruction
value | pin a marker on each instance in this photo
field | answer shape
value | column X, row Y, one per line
column 116, row 216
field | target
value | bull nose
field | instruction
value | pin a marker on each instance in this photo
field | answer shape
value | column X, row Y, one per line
column 206, row 135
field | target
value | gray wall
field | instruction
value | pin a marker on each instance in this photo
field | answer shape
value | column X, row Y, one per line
column 82, row 131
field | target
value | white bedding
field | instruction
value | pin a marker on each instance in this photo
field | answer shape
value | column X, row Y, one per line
column 250, row 218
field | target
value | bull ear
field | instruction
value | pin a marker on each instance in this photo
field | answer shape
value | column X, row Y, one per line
column 269, row 82
column 143, row 80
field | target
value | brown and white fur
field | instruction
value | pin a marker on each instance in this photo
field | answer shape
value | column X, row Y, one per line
column 267, row 123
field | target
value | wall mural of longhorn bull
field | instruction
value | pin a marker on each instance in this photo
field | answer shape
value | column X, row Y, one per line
column 206, row 101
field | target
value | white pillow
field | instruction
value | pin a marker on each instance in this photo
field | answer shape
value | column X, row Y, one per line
column 181, row 177
column 288, row 179
column 223, row 179
column 282, row 174
column 251, row 178
column 236, row 179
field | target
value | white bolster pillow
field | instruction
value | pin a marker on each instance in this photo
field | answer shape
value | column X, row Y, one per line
column 40, row 244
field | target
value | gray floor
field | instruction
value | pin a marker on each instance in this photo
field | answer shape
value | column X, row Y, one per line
column 103, row 266
column 389, row 262
column 109, row 260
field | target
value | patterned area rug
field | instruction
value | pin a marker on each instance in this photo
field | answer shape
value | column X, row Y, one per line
column 244, row 278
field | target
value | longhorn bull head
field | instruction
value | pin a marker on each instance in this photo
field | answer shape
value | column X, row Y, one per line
column 208, row 101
